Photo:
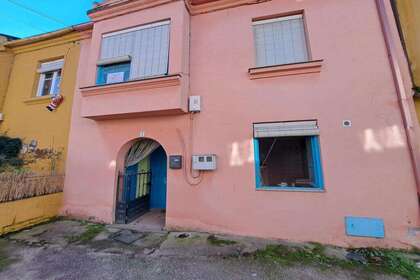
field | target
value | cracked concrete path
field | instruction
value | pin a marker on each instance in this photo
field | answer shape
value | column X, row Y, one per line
column 68, row 249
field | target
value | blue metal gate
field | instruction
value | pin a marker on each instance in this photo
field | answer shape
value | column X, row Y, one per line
column 133, row 195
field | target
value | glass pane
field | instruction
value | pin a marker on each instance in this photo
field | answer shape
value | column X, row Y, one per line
column 114, row 73
column 46, row 87
column 284, row 162
column 57, row 83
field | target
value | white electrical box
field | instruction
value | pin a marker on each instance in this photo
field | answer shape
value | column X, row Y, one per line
column 204, row 162
column 194, row 103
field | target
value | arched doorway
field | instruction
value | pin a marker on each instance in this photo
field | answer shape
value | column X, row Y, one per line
column 142, row 182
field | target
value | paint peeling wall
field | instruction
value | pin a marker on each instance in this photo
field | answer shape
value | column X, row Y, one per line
column 20, row 214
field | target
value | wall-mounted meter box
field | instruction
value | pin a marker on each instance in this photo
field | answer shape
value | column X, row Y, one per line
column 175, row 162
column 204, row 162
column 194, row 103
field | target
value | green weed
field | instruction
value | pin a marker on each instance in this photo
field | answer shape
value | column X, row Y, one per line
column 376, row 260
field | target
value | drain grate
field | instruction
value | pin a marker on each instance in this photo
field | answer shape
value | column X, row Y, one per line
column 126, row 236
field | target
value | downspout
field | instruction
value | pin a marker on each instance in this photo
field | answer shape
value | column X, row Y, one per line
column 401, row 92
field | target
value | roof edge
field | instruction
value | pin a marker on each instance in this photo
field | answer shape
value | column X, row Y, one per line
column 49, row 35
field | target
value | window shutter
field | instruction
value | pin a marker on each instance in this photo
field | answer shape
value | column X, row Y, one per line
column 284, row 129
column 147, row 46
column 280, row 41
column 151, row 52
column 114, row 60
column 51, row 66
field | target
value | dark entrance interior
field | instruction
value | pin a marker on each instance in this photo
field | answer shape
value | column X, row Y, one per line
column 142, row 185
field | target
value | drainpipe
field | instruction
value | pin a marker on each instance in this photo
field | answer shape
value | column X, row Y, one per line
column 401, row 92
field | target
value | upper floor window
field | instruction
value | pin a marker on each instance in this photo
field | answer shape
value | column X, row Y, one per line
column 134, row 53
column 280, row 41
column 50, row 78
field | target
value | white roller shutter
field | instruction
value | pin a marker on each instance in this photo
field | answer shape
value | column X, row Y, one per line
column 114, row 60
column 283, row 129
column 280, row 41
column 146, row 45
column 51, row 66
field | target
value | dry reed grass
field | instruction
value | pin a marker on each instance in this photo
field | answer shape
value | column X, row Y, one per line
column 15, row 186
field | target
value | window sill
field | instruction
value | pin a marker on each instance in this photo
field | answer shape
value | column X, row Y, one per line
column 291, row 189
column 133, row 85
column 285, row 69
column 39, row 100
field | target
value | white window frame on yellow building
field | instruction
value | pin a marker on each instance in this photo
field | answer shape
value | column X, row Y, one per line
column 55, row 67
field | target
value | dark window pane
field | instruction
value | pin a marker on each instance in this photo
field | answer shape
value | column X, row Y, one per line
column 47, row 84
column 284, row 161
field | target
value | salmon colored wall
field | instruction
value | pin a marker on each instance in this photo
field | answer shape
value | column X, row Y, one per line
column 25, row 115
column 367, row 167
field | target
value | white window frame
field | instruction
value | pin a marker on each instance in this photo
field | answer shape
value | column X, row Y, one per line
column 57, row 66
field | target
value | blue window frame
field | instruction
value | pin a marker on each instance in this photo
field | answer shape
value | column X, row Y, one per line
column 105, row 70
column 290, row 156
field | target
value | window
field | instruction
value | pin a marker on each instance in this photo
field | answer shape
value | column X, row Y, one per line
column 280, row 41
column 50, row 78
column 287, row 155
column 147, row 46
column 113, row 73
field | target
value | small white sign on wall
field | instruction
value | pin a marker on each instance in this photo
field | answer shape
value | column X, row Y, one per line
column 116, row 77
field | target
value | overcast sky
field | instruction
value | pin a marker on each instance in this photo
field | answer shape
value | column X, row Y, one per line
column 23, row 18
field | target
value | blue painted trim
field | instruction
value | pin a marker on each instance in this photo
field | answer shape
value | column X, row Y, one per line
column 365, row 227
column 316, row 158
column 318, row 174
column 257, row 163
column 112, row 68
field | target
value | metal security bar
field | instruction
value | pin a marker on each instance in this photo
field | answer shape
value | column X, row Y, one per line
column 133, row 196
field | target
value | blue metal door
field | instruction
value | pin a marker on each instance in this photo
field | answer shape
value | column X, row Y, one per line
column 131, row 182
column 158, row 162
column 133, row 197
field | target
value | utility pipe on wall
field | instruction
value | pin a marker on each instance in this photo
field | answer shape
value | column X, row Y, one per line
column 401, row 92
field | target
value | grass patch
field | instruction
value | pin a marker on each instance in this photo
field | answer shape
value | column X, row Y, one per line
column 213, row 240
column 374, row 260
column 92, row 230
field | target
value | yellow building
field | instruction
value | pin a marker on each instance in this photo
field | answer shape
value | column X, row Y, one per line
column 408, row 16
column 6, row 60
column 43, row 67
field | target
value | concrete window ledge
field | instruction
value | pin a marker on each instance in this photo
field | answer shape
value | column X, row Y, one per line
column 313, row 66
column 133, row 85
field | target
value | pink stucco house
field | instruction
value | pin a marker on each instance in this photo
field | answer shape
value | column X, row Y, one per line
column 277, row 119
